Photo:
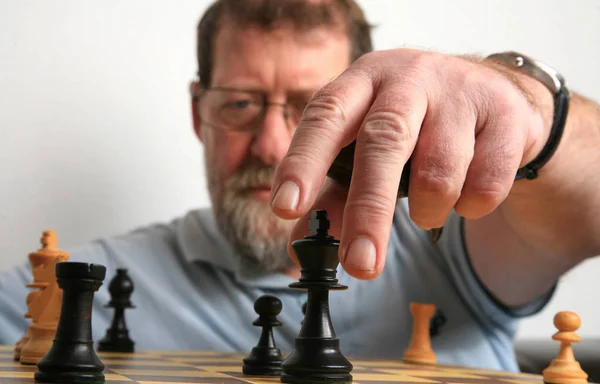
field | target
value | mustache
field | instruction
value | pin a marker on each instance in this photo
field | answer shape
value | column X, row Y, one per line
column 252, row 175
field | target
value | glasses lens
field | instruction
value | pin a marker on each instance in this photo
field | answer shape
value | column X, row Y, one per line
column 228, row 109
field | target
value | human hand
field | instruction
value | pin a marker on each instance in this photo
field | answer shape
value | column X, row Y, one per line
column 466, row 127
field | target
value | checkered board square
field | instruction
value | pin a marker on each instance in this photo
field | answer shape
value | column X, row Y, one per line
column 178, row 367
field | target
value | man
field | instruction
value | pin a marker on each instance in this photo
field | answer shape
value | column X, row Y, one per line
column 260, row 63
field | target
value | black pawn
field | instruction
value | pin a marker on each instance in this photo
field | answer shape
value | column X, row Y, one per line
column 72, row 358
column 117, row 336
column 316, row 357
column 437, row 321
column 265, row 358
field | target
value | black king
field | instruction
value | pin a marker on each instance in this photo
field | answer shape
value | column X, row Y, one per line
column 316, row 357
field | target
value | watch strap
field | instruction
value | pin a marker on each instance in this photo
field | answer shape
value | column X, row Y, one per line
column 556, row 84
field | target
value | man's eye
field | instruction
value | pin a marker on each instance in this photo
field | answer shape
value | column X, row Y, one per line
column 239, row 104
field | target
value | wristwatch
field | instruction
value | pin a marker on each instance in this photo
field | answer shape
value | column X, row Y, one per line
column 556, row 84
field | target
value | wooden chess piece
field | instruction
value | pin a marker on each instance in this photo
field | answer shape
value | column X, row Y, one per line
column 25, row 339
column 420, row 349
column 43, row 304
column 19, row 345
column 564, row 369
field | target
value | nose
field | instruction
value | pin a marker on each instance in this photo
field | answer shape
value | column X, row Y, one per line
column 273, row 139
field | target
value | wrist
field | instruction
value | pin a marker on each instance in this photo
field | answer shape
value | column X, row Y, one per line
column 545, row 90
column 542, row 101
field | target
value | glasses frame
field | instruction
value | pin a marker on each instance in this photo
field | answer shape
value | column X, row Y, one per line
column 253, row 126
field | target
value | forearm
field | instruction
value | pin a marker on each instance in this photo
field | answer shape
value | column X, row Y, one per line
column 559, row 213
column 547, row 225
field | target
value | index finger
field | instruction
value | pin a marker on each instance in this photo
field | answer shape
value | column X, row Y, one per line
column 330, row 122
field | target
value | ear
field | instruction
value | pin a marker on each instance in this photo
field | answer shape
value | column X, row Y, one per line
column 195, row 91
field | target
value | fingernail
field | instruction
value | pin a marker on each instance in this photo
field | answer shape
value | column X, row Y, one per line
column 287, row 196
column 361, row 254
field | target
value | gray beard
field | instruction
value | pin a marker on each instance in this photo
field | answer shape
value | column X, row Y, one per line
column 250, row 226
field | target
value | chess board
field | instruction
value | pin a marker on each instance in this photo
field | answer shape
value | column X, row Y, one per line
column 177, row 367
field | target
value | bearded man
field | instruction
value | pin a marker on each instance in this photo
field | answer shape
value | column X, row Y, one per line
column 268, row 144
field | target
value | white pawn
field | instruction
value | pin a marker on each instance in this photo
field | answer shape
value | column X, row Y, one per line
column 564, row 369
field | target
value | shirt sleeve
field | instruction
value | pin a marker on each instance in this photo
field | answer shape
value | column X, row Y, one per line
column 13, row 307
column 480, row 300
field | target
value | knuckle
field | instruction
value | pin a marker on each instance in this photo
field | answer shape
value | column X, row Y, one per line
column 325, row 110
column 502, row 162
column 386, row 131
column 495, row 180
column 508, row 164
column 490, row 198
column 488, row 194
column 412, row 67
column 506, row 98
column 423, row 59
column 436, row 183
column 495, row 94
column 323, row 118
column 413, row 78
column 478, row 201
column 507, row 103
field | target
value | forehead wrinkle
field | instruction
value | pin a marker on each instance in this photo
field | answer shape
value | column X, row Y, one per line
column 274, row 60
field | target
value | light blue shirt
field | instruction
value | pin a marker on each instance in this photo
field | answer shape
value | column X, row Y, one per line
column 192, row 291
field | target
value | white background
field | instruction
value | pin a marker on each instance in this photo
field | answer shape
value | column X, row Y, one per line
column 95, row 133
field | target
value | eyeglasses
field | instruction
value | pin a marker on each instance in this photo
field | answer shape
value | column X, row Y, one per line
column 239, row 110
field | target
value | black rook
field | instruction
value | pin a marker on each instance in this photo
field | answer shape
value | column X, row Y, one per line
column 72, row 357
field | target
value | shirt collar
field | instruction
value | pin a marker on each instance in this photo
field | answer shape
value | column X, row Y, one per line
column 201, row 241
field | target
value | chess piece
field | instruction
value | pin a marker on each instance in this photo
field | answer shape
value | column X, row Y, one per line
column 22, row 341
column 437, row 322
column 265, row 358
column 419, row 349
column 44, row 303
column 564, row 369
column 117, row 336
column 72, row 358
column 316, row 356
column 25, row 339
